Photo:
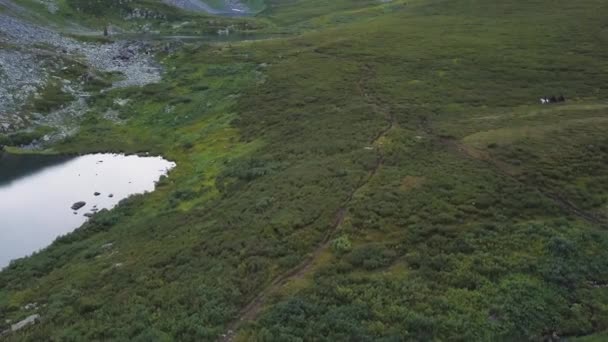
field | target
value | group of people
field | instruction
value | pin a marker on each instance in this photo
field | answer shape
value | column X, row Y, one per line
column 552, row 99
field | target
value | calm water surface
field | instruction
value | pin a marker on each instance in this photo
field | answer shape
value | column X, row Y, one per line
column 37, row 192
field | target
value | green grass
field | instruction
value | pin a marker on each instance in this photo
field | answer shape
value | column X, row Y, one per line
column 483, row 218
column 24, row 137
column 592, row 338
column 51, row 97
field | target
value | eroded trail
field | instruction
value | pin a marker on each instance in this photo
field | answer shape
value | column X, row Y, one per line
column 502, row 169
column 252, row 310
column 559, row 199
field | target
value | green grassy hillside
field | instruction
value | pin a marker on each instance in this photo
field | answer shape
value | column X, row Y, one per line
column 386, row 174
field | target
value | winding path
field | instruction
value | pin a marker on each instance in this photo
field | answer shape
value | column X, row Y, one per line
column 253, row 309
column 499, row 167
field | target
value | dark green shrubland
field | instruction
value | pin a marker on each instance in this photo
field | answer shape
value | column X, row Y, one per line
column 392, row 168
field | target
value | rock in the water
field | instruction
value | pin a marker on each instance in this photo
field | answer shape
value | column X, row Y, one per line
column 97, row 193
column 78, row 205
column 89, row 215
column 111, row 195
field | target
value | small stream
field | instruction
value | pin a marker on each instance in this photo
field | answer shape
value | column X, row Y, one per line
column 37, row 193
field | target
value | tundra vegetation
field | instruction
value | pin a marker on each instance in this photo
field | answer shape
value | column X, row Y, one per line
column 380, row 171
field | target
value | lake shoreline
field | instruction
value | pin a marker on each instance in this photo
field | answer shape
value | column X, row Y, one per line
column 52, row 184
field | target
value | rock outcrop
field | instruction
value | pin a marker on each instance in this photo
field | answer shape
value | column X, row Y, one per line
column 78, row 205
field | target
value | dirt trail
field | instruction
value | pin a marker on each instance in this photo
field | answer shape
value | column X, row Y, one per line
column 558, row 199
column 503, row 169
column 252, row 310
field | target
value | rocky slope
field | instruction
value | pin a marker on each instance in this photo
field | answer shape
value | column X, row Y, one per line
column 34, row 57
column 35, row 54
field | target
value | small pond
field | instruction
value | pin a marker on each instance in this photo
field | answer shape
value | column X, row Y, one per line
column 37, row 193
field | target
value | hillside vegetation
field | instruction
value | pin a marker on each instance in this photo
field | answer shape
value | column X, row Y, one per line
column 382, row 171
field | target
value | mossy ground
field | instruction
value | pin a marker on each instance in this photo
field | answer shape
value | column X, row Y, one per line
column 412, row 130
